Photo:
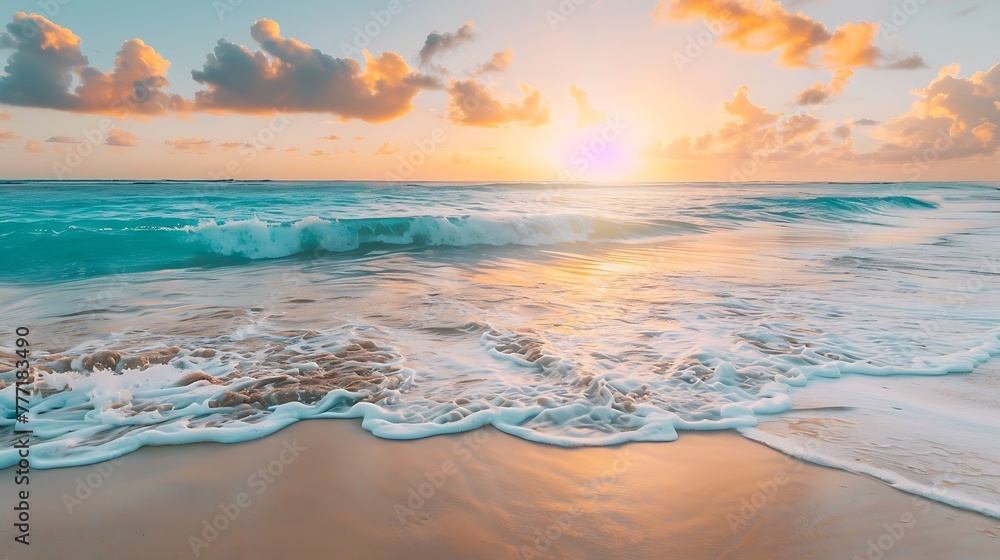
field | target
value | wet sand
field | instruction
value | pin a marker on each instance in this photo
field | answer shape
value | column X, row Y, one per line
column 328, row 489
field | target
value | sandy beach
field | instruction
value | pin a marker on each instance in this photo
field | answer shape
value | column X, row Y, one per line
column 328, row 489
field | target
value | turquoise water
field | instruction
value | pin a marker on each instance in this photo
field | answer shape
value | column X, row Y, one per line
column 176, row 312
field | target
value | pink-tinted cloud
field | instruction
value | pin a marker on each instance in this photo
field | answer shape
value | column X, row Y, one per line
column 499, row 62
column 121, row 138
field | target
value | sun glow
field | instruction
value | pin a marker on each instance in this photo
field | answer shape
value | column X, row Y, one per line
column 601, row 152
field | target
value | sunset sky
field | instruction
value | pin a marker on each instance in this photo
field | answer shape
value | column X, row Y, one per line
column 542, row 90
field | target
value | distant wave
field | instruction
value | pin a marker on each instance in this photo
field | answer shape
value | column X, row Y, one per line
column 257, row 239
column 118, row 245
column 55, row 248
column 824, row 208
column 860, row 203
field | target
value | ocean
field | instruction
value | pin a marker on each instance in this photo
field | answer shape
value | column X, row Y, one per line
column 851, row 325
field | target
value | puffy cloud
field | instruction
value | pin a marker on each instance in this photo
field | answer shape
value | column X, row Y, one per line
column 7, row 135
column 121, row 138
column 189, row 144
column 756, row 134
column 586, row 114
column 47, row 61
column 62, row 140
column 290, row 76
column 499, row 62
column 47, row 69
column 388, row 149
column 4, row 116
column 439, row 43
column 317, row 153
column 40, row 72
column 819, row 93
column 33, row 147
column 851, row 46
column 955, row 117
column 749, row 115
column 471, row 104
column 800, row 40
column 331, row 137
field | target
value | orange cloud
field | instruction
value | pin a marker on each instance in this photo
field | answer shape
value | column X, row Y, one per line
column 290, row 76
column 47, row 61
column 189, row 144
column 286, row 75
column 756, row 135
column 33, row 147
column 954, row 117
column 800, row 40
column 471, row 104
column 851, row 46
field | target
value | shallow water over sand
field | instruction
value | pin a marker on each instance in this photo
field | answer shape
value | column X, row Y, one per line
column 572, row 315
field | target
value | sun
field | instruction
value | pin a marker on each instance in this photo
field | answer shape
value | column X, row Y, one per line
column 601, row 152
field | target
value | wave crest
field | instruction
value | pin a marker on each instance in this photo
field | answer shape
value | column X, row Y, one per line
column 257, row 239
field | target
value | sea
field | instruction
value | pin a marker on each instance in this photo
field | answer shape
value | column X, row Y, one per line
column 855, row 326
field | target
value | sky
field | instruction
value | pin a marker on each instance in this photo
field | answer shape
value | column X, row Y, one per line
column 520, row 90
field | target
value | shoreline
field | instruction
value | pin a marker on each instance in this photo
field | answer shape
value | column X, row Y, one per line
column 326, row 487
